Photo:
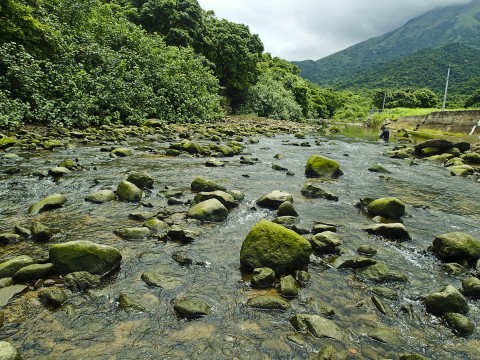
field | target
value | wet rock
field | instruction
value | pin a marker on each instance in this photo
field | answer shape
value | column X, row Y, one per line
column 454, row 162
column 274, row 199
column 191, row 307
column 84, row 256
column 366, row 250
column 377, row 168
column 81, row 280
column 454, row 269
column 165, row 282
column 326, row 242
column 8, row 237
column 383, row 335
column 127, row 191
column 101, row 196
column 287, row 221
column 143, row 215
column 279, row 168
column 58, row 171
column 319, row 307
column 237, row 195
column 154, row 123
column 461, row 170
column 274, row 246
column 156, row 225
column 319, row 228
column 456, row 246
column 4, row 282
column 69, row 164
column 346, row 262
column 199, row 185
column 214, row 163
column 471, row 287
column 288, row 286
column 22, row 231
column 40, row 232
column 32, row 273
column 380, row 272
column 141, row 180
column 381, row 306
column 9, row 292
column 389, row 207
column 190, row 147
column 129, row 302
column 460, row 324
column 10, row 267
column 320, row 166
column 268, row 302
column 302, row 277
column 176, row 233
column 121, row 152
column 440, row 144
column 394, row 231
column 286, row 209
column 209, row 210
column 51, row 144
column 263, row 277
column 329, row 352
column 313, row 191
column 385, row 293
column 318, row 326
column 248, row 160
column 471, row 157
column 7, row 350
column 225, row 198
column 138, row 233
column 53, row 296
column 181, row 259
column 50, row 202
column 446, row 300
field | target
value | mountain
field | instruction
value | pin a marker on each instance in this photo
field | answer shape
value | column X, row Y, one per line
column 434, row 30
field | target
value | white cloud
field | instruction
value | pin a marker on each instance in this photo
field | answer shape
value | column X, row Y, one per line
column 312, row 29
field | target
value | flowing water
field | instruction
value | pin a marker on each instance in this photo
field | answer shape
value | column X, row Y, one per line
column 92, row 326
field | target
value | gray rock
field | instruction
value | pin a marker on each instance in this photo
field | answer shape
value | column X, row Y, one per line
column 8, row 351
column 395, row 231
column 10, row 267
column 237, row 194
column 192, row 307
column 101, row 196
column 383, row 335
column 313, row 191
column 326, row 242
column 84, row 256
column 9, row 292
column 81, row 280
column 460, row 324
column 23, row 231
column 50, row 202
column 126, row 191
column 138, row 233
column 165, row 282
column 40, row 232
column 263, row 277
column 225, row 198
column 456, row 246
column 446, row 300
column 209, row 210
column 33, row 273
column 380, row 272
column 288, row 286
column 274, row 199
column 53, row 296
column 268, row 302
column 318, row 326
column 286, row 209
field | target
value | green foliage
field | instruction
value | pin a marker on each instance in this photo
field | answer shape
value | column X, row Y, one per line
column 353, row 106
column 407, row 98
column 473, row 100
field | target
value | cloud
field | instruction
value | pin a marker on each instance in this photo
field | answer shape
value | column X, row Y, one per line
column 312, row 29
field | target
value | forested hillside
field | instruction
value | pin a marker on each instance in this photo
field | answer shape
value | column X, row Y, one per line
column 94, row 62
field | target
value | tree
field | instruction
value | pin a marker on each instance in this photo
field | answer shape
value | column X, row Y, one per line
column 473, row 100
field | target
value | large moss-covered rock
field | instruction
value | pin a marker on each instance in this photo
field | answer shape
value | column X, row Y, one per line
column 321, row 166
column 274, row 246
column 141, row 180
column 10, row 267
column 209, row 210
column 446, row 300
column 456, row 246
column 127, row 191
column 389, row 207
column 50, row 202
column 84, row 256
column 274, row 199
column 33, row 273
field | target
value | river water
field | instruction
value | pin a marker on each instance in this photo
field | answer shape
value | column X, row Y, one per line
column 92, row 326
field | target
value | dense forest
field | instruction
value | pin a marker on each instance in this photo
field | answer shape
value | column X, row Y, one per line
column 94, row 62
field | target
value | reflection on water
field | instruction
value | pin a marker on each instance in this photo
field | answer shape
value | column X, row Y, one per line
column 93, row 326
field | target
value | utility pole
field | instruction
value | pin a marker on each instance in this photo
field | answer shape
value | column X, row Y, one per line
column 446, row 89
column 384, row 98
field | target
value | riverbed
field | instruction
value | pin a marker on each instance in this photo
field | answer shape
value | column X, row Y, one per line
column 91, row 325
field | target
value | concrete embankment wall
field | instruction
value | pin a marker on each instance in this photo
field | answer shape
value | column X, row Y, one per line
column 449, row 121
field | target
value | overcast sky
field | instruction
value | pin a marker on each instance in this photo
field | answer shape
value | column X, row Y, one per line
column 312, row 29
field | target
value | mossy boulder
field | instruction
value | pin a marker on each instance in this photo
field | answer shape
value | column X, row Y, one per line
column 208, row 210
column 448, row 299
column 7, row 142
column 380, row 272
column 84, row 256
column 33, row 273
column 461, row 170
column 141, row 180
column 191, row 307
column 377, row 168
column 50, row 202
column 456, row 246
column 471, row 287
column 460, row 324
column 274, row 246
column 101, row 196
column 321, row 166
column 286, row 209
column 389, row 207
column 288, row 286
column 225, row 198
column 274, row 199
column 127, row 191
column 121, row 152
column 40, row 232
column 318, row 326
column 268, row 302
column 10, row 267
column 81, row 280
column 199, row 185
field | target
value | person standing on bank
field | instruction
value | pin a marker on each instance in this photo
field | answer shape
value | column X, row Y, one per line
column 384, row 134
